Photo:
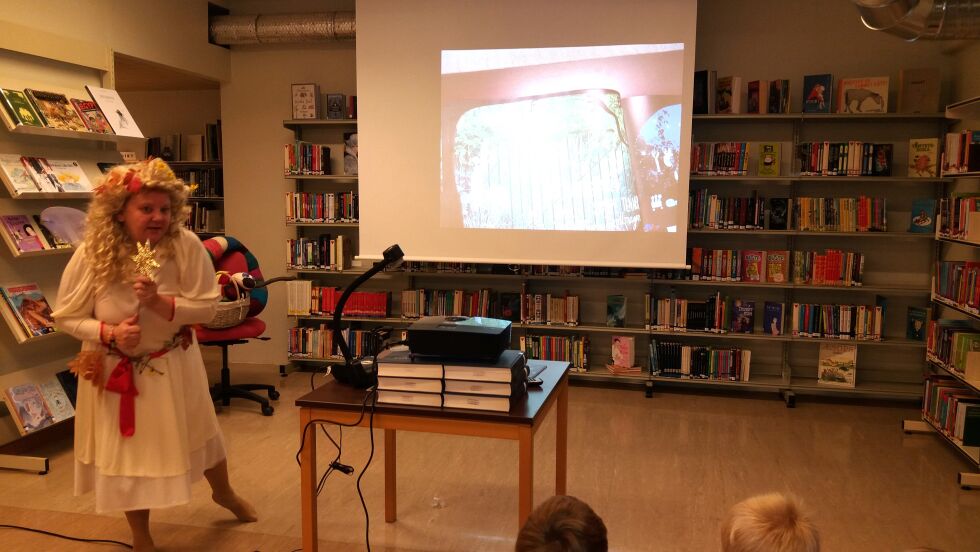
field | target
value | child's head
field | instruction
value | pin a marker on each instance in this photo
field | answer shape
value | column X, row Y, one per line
column 771, row 523
column 562, row 524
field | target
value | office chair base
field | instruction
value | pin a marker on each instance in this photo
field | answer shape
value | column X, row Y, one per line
column 244, row 391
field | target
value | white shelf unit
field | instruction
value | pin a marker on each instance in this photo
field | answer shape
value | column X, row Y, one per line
column 968, row 112
column 37, row 59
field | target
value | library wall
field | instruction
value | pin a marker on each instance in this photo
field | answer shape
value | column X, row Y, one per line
column 170, row 33
column 254, row 104
column 160, row 113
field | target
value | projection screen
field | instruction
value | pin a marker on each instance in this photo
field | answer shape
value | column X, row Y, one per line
column 525, row 132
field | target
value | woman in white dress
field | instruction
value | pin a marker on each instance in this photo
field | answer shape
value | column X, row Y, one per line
column 145, row 427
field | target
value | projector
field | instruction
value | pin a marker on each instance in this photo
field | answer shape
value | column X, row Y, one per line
column 459, row 337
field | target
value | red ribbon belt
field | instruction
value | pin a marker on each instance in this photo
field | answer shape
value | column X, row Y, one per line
column 121, row 381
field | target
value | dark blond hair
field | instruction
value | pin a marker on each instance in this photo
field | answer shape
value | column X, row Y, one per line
column 562, row 524
column 107, row 246
column 769, row 523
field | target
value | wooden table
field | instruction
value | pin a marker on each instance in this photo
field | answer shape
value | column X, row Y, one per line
column 338, row 403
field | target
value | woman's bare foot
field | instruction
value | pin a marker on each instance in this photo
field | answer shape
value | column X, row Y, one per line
column 236, row 505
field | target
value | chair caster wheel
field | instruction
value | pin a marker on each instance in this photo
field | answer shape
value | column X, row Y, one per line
column 267, row 410
column 273, row 394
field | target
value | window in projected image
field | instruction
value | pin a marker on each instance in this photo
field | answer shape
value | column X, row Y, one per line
column 581, row 159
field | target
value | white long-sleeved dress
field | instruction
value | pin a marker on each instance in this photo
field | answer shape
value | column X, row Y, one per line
column 177, row 435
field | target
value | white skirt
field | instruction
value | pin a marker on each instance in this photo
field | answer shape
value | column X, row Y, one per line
column 176, row 438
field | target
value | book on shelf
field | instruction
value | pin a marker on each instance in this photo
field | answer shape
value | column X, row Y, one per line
column 704, row 90
column 923, row 157
column 298, row 294
column 414, row 385
column 69, row 383
column 623, row 351
column 398, row 362
column 817, row 92
column 779, row 213
column 616, row 311
column 918, row 90
column 69, row 175
column 306, row 101
column 56, row 111
column 961, row 152
column 777, row 266
column 510, row 306
column 757, row 96
column 772, row 322
column 728, row 95
column 352, row 106
column 18, row 109
column 22, row 233
column 779, row 91
column 915, row 325
column 336, row 106
column 16, row 174
column 387, row 396
column 350, row 153
column 31, row 309
column 743, row 316
column 27, row 407
column 753, row 265
column 57, row 399
column 92, row 116
column 923, row 216
column 881, row 164
column 837, row 365
column 115, row 111
column 769, row 158
column 862, row 95
column 37, row 167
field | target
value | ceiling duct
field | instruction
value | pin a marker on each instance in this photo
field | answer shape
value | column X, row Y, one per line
column 922, row 19
column 280, row 28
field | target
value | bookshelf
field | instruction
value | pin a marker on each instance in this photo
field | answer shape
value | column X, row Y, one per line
column 62, row 65
column 207, row 201
column 949, row 248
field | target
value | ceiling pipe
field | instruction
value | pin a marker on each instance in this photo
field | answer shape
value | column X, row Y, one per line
column 922, row 19
column 281, row 28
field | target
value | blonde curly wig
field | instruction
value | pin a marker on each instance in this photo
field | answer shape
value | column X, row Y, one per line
column 107, row 244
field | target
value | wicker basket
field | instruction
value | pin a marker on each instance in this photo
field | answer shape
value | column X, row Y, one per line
column 229, row 313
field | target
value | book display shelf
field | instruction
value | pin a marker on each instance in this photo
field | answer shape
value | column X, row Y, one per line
column 66, row 66
column 895, row 273
column 954, row 248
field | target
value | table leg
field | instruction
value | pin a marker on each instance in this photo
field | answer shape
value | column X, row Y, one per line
column 561, row 439
column 525, row 486
column 391, row 489
column 308, row 480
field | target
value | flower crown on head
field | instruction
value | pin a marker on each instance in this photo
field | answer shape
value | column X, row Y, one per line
column 154, row 169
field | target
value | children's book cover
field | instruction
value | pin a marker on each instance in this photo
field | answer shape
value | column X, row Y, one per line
column 56, row 110
column 26, row 404
column 916, row 323
column 20, row 108
column 92, row 116
column 923, row 216
column 616, row 311
column 21, row 232
column 743, row 316
column 772, row 321
column 862, row 95
column 30, row 307
column 779, row 213
column 837, row 365
column 623, row 351
column 817, row 91
column 777, row 266
column 753, row 265
column 923, row 153
column 769, row 158
column 881, row 164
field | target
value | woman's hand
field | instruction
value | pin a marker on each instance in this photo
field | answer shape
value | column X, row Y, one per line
column 146, row 292
column 127, row 333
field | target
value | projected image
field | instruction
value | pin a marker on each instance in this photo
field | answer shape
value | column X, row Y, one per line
column 580, row 139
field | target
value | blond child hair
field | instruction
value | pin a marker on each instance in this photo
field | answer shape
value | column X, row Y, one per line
column 769, row 523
